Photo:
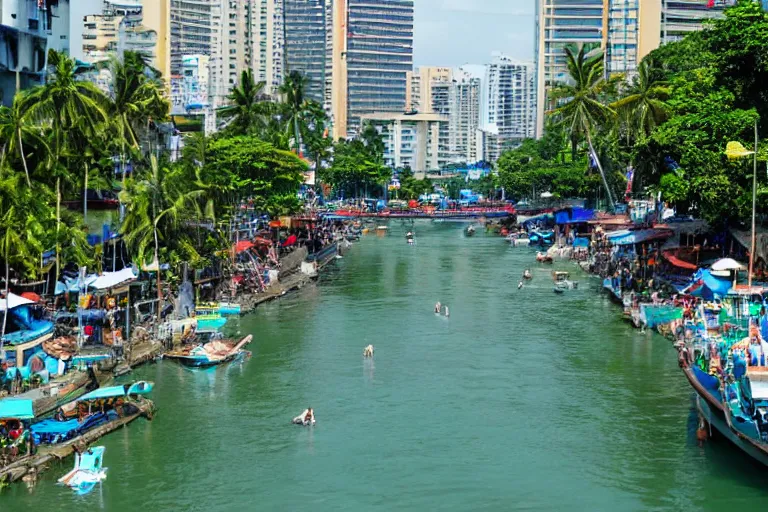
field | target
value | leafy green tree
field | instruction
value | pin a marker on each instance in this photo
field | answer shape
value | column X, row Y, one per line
column 259, row 169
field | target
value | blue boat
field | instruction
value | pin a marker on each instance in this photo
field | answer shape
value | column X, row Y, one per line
column 211, row 354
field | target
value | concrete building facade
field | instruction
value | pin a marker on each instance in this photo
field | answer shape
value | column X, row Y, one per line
column 509, row 101
column 305, row 43
column 371, row 51
column 24, row 26
column 410, row 140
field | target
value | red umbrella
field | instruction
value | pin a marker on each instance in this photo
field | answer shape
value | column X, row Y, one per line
column 290, row 241
column 243, row 245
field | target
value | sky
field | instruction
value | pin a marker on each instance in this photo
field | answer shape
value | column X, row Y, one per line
column 453, row 33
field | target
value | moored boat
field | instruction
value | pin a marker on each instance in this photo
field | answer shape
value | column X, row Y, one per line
column 210, row 354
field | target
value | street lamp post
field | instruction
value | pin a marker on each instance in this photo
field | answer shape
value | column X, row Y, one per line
column 735, row 150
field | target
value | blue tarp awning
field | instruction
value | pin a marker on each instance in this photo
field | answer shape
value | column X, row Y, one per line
column 12, row 408
column 626, row 237
column 581, row 242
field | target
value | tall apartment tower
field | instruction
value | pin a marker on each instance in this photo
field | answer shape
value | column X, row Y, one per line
column 371, row 51
column 195, row 29
column 509, row 101
column 267, row 39
column 465, row 117
column 305, row 43
column 419, row 93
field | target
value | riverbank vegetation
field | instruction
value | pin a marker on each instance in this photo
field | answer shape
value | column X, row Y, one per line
column 670, row 122
column 68, row 136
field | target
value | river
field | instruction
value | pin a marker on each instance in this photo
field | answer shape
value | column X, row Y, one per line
column 521, row 400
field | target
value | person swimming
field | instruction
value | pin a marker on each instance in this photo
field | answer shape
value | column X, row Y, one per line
column 519, row 285
column 438, row 308
column 447, row 313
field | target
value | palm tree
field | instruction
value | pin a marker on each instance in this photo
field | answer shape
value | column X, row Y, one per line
column 20, row 230
column 138, row 98
column 582, row 108
column 157, row 202
column 77, row 111
column 644, row 104
column 293, row 89
column 16, row 127
column 246, row 98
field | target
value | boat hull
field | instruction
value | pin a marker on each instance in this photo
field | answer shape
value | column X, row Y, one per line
column 718, row 421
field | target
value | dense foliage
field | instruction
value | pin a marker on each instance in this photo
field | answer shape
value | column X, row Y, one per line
column 670, row 121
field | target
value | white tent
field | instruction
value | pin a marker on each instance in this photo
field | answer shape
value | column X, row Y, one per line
column 727, row 264
column 13, row 301
column 112, row 279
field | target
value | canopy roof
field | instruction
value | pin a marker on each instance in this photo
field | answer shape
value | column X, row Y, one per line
column 13, row 301
column 674, row 260
column 112, row 279
column 626, row 237
column 16, row 409
column 727, row 264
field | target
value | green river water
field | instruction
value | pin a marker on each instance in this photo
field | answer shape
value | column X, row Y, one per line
column 521, row 400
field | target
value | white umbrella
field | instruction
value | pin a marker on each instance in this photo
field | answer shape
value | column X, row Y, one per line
column 546, row 195
column 727, row 264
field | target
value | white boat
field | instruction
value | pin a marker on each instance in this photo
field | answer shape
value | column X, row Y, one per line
column 88, row 471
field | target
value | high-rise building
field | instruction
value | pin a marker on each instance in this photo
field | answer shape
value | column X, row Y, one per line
column 465, row 117
column 420, row 82
column 681, row 17
column 195, row 29
column 509, row 101
column 371, row 51
column 305, row 43
column 24, row 26
column 267, row 40
column 142, row 26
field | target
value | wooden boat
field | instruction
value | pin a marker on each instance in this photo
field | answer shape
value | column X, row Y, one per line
column 209, row 354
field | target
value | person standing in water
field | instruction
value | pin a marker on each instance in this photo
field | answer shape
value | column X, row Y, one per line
column 438, row 307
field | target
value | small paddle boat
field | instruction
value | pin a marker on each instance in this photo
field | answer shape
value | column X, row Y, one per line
column 88, row 471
